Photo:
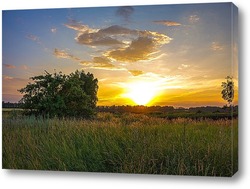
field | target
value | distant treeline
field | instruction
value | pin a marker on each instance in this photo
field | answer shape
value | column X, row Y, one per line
column 150, row 109
column 10, row 105
column 170, row 109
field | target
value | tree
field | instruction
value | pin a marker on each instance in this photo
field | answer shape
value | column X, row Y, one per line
column 73, row 95
column 228, row 90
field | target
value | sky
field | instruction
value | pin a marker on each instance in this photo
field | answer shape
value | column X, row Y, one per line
column 167, row 55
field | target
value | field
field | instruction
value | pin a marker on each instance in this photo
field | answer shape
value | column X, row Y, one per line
column 126, row 143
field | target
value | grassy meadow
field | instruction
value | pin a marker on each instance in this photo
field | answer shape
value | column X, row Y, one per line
column 126, row 143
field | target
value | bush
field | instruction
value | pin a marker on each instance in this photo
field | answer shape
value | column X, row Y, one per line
column 73, row 95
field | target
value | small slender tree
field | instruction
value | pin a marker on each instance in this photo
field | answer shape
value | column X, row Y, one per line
column 228, row 90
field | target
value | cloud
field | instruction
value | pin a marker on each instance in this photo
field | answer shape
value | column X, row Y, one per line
column 142, row 48
column 125, row 12
column 216, row 46
column 5, row 77
column 110, row 36
column 53, row 30
column 78, row 26
column 128, row 45
column 117, row 30
column 96, row 39
column 194, row 18
column 99, row 62
column 134, row 52
column 9, row 66
column 183, row 66
column 33, row 38
column 24, row 67
column 62, row 54
column 167, row 23
column 136, row 72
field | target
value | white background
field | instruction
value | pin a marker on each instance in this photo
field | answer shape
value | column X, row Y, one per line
column 42, row 179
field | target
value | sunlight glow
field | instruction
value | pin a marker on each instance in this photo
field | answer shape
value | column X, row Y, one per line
column 141, row 92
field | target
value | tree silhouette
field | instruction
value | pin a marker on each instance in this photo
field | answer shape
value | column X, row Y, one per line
column 73, row 95
column 228, row 90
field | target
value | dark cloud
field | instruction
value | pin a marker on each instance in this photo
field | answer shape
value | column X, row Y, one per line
column 109, row 36
column 141, row 48
column 97, row 39
column 167, row 23
column 125, row 12
column 116, row 30
column 127, row 45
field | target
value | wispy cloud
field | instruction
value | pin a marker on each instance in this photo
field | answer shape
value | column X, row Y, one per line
column 63, row 54
column 193, row 18
column 53, row 30
column 33, row 38
column 125, row 12
column 167, row 23
column 6, row 77
column 24, row 67
column 183, row 66
column 78, row 26
column 216, row 46
column 9, row 66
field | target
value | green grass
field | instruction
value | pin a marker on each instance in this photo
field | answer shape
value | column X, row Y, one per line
column 128, row 143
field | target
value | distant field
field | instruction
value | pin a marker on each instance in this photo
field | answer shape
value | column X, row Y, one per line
column 126, row 143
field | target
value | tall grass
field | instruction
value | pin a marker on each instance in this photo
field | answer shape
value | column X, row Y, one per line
column 128, row 143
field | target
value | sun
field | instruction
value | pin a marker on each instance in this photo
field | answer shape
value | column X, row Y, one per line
column 141, row 92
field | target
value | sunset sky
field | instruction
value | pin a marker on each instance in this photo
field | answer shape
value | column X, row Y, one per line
column 173, row 55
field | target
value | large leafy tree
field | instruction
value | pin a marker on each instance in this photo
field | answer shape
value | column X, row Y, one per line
column 61, row 95
column 228, row 90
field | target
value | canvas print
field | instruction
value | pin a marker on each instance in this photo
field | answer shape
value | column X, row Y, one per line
column 149, row 89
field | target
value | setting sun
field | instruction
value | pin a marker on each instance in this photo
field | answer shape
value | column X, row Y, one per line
column 141, row 92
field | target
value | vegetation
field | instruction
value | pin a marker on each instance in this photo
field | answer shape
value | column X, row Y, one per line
column 61, row 95
column 228, row 90
column 124, row 143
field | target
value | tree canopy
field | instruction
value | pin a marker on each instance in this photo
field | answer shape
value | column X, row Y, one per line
column 228, row 90
column 57, row 94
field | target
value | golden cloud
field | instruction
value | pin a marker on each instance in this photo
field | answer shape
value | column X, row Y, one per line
column 62, row 54
column 99, row 62
column 168, row 23
column 136, row 72
column 78, row 26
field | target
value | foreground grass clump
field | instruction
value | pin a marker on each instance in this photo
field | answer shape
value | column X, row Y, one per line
column 128, row 143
